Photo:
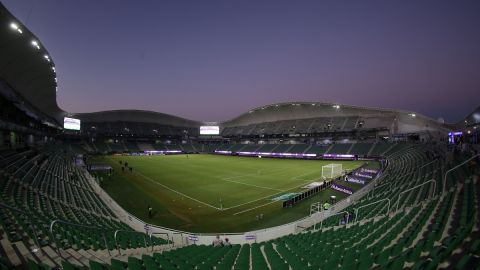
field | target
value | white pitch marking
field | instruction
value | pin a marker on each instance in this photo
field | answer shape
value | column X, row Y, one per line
column 178, row 192
column 238, row 205
column 252, row 185
column 250, row 209
column 299, row 176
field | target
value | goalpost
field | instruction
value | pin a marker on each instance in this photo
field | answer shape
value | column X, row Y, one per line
column 331, row 170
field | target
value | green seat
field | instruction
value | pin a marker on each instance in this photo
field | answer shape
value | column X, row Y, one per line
column 96, row 265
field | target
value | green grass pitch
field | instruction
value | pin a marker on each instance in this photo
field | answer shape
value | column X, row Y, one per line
column 214, row 193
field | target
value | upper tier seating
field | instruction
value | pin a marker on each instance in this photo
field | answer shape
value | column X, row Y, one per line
column 305, row 126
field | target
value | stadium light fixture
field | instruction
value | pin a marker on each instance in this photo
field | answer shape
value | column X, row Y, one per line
column 15, row 27
column 35, row 44
column 46, row 57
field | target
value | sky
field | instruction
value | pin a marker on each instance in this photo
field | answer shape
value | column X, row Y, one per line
column 213, row 60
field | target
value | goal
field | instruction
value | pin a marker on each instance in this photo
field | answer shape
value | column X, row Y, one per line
column 331, row 170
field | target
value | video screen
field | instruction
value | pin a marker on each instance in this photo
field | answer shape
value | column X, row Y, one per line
column 209, row 130
column 71, row 123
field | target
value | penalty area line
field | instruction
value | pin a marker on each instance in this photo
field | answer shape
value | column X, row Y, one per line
column 268, row 196
column 253, row 208
column 252, row 185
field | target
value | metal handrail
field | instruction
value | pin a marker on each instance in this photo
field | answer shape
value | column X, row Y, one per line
column 417, row 186
column 375, row 202
column 321, row 222
column 375, row 187
column 160, row 233
column 35, row 235
column 127, row 231
column 52, row 224
column 424, row 165
column 454, row 168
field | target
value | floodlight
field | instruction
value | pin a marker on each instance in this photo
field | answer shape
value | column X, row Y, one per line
column 35, row 44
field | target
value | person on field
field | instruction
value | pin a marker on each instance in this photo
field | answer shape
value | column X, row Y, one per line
column 150, row 211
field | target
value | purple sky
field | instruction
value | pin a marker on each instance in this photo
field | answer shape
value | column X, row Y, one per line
column 212, row 60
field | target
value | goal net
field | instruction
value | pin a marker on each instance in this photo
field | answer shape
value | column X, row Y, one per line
column 331, row 170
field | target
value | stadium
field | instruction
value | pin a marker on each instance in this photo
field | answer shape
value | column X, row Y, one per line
column 291, row 185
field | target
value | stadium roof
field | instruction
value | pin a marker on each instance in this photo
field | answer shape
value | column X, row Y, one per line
column 302, row 110
column 27, row 66
column 136, row 116
column 473, row 118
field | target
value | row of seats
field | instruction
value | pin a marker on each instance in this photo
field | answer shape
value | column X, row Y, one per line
column 45, row 186
column 435, row 234
column 360, row 148
column 311, row 125
column 135, row 128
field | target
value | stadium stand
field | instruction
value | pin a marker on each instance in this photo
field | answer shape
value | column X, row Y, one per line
column 421, row 213
column 424, row 229
column 360, row 149
column 39, row 187
column 340, row 148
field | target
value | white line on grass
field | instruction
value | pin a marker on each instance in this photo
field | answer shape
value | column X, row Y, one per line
column 238, row 205
column 259, row 172
column 298, row 177
column 252, row 185
column 178, row 192
column 250, row 209
column 228, row 179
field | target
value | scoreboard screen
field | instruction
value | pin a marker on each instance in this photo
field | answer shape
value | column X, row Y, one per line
column 71, row 123
column 209, row 130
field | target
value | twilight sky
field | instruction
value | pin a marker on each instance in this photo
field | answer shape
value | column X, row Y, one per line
column 212, row 60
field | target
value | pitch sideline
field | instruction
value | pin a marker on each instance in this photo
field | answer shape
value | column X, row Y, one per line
column 178, row 192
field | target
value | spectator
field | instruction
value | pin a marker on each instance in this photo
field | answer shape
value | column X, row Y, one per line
column 227, row 243
column 217, row 242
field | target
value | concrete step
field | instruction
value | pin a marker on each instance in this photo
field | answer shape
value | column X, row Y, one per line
column 78, row 257
column 11, row 254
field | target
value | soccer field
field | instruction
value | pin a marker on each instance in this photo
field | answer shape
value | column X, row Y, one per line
column 214, row 193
